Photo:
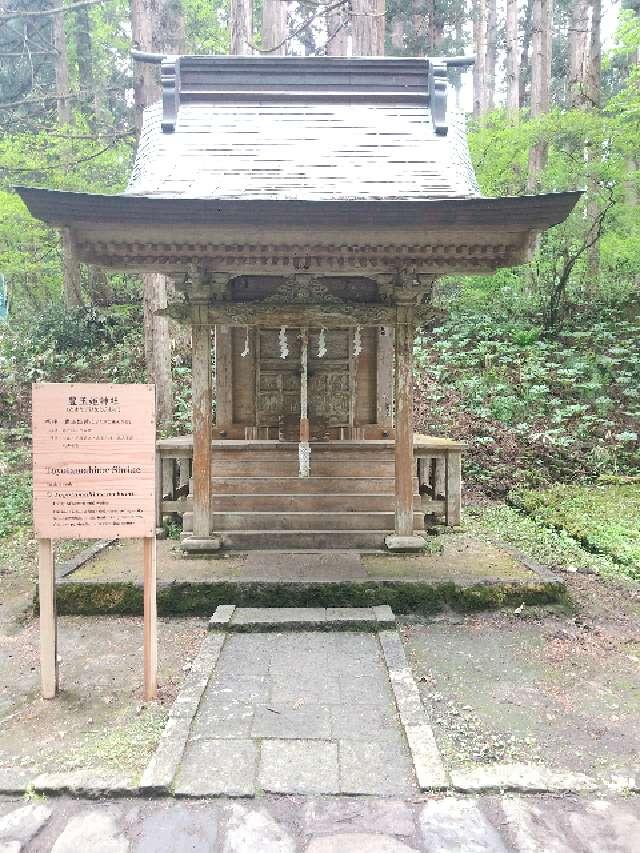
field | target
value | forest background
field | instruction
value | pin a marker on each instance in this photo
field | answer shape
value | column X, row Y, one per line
column 536, row 367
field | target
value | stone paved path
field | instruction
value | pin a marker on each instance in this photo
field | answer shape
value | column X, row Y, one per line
column 323, row 825
column 297, row 713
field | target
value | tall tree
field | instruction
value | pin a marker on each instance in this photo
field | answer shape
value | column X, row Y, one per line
column 512, row 59
column 157, row 342
column 540, row 82
column 274, row 27
column 593, row 95
column 491, row 55
column 525, row 65
column 577, row 39
column 84, row 53
column 479, row 47
column 71, row 282
column 241, row 25
column 367, row 27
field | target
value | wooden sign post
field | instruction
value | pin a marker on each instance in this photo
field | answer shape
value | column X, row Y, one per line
column 94, row 459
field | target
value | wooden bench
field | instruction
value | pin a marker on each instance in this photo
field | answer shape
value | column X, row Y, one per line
column 439, row 479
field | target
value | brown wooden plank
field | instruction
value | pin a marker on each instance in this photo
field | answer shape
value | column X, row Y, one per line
column 150, row 620
column 224, row 376
column 201, row 416
column 48, row 620
column 404, row 461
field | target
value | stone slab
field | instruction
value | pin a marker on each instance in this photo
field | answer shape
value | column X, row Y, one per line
column 286, row 721
column 298, row 767
column 85, row 783
column 378, row 768
column 525, row 778
column 253, row 830
column 325, row 816
column 180, row 829
column 427, row 763
column 456, row 824
column 216, row 767
column 222, row 616
column 405, row 543
column 23, row 823
column 14, row 780
column 358, row 842
column 92, row 830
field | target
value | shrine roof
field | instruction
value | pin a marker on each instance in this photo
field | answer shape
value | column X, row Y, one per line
column 302, row 128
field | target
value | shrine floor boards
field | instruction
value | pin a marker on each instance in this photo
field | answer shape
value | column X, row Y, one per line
column 297, row 713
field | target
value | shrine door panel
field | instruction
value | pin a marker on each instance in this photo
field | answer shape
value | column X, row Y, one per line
column 329, row 382
column 278, row 382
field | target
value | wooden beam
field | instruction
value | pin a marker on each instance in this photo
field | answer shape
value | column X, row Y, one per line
column 452, row 488
column 48, row 620
column 404, row 462
column 384, row 377
column 224, row 376
column 150, row 620
column 201, row 418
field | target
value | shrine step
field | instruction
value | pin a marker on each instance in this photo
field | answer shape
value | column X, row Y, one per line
column 306, row 540
column 339, row 502
column 289, row 467
column 296, row 485
column 334, row 521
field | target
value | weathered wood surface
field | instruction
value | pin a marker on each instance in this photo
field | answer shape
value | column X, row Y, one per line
column 404, row 462
column 48, row 620
column 150, row 629
column 201, row 416
column 224, row 375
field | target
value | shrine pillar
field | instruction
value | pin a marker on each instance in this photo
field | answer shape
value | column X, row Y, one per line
column 404, row 538
column 201, row 420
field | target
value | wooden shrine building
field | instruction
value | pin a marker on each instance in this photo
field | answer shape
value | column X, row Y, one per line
column 304, row 207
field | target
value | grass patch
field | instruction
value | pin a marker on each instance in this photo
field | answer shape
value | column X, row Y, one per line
column 551, row 547
column 126, row 747
column 603, row 518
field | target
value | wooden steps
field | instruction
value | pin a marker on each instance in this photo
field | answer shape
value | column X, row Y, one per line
column 348, row 501
column 354, row 520
column 304, row 540
column 253, row 485
column 306, row 502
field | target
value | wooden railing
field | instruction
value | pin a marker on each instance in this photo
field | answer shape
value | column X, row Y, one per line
column 437, row 460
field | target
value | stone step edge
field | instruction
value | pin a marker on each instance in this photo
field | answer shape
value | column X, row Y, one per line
column 228, row 617
column 498, row 779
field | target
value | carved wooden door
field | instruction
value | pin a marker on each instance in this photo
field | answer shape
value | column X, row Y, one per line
column 329, row 382
column 278, row 384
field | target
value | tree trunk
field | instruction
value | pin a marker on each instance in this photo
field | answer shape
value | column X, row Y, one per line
column 85, row 63
column 435, row 27
column 71, row 280
column 479, row 47
column 593, row 96
column 577, row 47
column 525, row 66
column 61, row 68
column 513, row 60
column 540, row 83
column 241, row 27
column 491, row 55
column 367, row 27
column 338, row 32
column 157, row 343
column 274, row 27
column 145, row 86
column 71, row 289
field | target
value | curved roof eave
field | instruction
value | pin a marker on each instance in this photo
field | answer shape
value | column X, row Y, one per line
column 85, row 211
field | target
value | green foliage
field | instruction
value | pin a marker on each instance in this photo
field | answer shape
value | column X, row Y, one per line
column 553, row 548
column 604, row 518
column 63, row 345
column 532, row 408
column 15, row 490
